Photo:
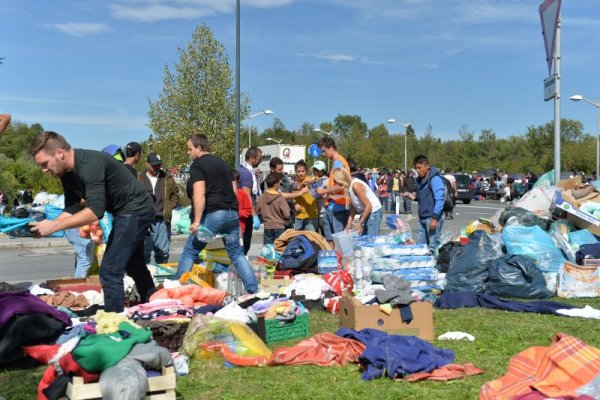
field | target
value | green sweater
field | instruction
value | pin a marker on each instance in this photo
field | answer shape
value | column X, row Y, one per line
column 105, row 184
column 98, row 352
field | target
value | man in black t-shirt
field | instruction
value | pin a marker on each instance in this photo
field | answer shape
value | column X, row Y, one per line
column 94, row 182
column 214, row 208
column 133, row 153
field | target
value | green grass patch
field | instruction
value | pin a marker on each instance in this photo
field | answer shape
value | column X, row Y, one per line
column 499, row 336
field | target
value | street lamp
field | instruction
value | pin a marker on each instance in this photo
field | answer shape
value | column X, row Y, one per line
column 278, row 141
column 579, row 97
column 322, row 131
column 265, row 112
column 406, row 125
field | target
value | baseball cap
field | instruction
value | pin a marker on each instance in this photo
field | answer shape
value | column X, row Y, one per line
column 154, row 159
column 115, row 151
column 320, row 165
column 133, row 148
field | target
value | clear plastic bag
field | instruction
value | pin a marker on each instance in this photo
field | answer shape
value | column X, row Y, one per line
column 215, row 339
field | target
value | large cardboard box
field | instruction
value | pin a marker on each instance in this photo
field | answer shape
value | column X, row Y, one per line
column 579, row 218
column 355, row 315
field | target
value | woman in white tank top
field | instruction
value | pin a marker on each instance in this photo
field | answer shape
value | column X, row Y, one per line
column 363, row 201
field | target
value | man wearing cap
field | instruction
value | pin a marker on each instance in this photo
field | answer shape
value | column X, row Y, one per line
column 161, row 186
column 133, row 153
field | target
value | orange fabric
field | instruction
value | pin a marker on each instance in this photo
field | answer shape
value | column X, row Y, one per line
column 445, row 373
column 340, row 197
column 192, row 295
column 554, row 371
column 324, row 349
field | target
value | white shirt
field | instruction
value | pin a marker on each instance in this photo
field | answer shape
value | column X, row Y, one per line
column 255, row 187
column 357, row 204
column 153, row 180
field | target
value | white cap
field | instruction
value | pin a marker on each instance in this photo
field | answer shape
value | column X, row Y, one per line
column 320, row 165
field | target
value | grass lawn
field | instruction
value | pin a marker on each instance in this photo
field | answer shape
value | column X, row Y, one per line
column 499, row 336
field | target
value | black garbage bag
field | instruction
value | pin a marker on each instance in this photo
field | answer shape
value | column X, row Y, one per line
column 469, row 268
column 524, row 217
column 587, row 251
column 446, row 253
column 516, row 276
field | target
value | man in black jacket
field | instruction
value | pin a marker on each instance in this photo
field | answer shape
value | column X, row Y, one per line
column 94, row 182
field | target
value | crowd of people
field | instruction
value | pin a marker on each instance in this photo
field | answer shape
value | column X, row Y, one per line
column 231, row 204
column 224, row 203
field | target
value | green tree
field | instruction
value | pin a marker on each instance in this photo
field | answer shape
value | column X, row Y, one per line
column 197, row 97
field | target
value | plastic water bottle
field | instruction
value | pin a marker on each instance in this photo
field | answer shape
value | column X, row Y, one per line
column 205, row 235
column 235, row 287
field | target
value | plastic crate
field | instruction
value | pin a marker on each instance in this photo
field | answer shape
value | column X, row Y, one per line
column 273, row 330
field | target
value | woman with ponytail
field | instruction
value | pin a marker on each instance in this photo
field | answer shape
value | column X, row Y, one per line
column 362, row 201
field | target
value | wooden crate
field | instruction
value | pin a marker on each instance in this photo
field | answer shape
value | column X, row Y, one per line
column 159, row 387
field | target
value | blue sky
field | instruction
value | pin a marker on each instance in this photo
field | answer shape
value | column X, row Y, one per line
column 86, row 68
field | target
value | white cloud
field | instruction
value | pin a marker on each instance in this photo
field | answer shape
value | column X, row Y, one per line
column 328, row 57
column 80, row 28
column 160, row 10
column 432, row 66
column 453, row 52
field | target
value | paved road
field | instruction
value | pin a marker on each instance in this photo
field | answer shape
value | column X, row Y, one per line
column 41, row 264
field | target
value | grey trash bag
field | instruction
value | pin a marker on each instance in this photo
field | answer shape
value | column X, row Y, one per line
column 516, row 276
column 524, row 218
column 468, row 270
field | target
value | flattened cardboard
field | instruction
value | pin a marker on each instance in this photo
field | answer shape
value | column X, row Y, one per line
column 274, row 285
column 354, row 315
column 63, row 284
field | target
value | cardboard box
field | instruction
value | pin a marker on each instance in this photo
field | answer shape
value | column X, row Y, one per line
column 355, row 315
column 579, row 218
column 92, row 282
column 159, row 387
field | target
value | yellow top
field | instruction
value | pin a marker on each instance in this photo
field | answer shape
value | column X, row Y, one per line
column 310, row 209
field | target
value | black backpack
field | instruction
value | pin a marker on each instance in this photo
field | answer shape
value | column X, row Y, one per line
column 449, row 197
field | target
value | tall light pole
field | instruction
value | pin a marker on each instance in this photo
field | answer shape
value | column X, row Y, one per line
column 579, row 97
column 278, row 141
column 406, row 125
column 265, row 112
column 237, row 84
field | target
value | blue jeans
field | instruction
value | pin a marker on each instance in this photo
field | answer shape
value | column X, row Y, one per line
column 408, row 205
column 385, row 203
column 425, row 236
column 159, row 240
column 395, row 195
column 84, row 252
column 334, row 222
column 224, row 222
column 125, row 253
column 306, row 224
column 270, row 235
column 372, row 225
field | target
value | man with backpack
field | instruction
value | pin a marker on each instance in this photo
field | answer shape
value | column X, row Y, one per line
column 430, row 193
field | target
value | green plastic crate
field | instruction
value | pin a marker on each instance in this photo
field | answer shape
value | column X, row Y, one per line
column 273, row 330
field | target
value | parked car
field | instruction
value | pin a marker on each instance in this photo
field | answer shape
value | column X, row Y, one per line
column 465, row 190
